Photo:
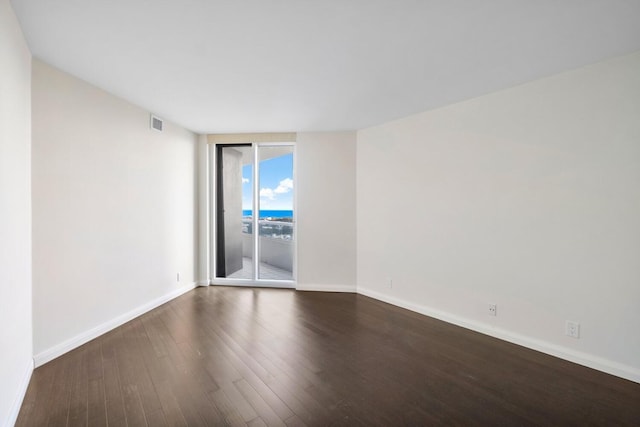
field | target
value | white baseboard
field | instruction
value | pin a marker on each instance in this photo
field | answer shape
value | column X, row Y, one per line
column 14, row 411
column 68, row 345
column 326, row 288
column 203, row 283
column 585, row 359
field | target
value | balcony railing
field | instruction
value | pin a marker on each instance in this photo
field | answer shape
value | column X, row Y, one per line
column 269, row 228
column 276, row 242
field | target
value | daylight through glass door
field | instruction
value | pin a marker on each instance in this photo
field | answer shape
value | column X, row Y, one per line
column 244, row 205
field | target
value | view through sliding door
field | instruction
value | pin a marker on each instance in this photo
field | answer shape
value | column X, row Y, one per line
column 254, row 215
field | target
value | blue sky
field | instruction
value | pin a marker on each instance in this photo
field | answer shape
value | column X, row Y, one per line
column 276, row 184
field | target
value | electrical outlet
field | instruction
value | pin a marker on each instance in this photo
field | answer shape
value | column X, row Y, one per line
column 572, row 329
column 493, row 309
column 389, row 283
column 177, row 277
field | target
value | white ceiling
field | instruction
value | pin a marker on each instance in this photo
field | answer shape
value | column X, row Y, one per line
column 301, row 65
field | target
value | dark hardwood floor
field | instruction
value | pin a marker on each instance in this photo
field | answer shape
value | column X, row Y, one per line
column 243, row 356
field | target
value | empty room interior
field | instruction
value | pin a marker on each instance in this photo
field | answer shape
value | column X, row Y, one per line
column 319, row 213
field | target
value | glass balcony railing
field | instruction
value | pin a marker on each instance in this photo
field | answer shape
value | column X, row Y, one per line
column 269, row 228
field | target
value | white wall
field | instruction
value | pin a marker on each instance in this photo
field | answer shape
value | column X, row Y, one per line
column 326, row 211
column 528, row 198
column 113, row 211
column 16, row 361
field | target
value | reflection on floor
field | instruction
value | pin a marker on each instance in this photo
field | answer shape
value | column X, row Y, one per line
column 267, row 272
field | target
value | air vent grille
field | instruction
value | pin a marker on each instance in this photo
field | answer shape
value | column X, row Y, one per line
column 156, row 123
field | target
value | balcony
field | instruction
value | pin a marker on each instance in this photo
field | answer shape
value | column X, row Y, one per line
column 276, row 249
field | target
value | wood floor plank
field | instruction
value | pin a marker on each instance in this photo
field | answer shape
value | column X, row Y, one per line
column 157, row 419
column 189, row 408
column 244, row 408
column 227, row 409
column 255, row 374
column 135, row 344
column 114, row 402
column 257, row 422
column 59, row 406
column 261, row 407
column 170, row 406
column 96, row 400
column 263, row 370
column 94, row 360
column 78, row 401
column 294, row 421
column 247, row 356
column 263, row 388
column 133, row 410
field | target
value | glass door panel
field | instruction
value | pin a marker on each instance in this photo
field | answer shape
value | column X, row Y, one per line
column 276, row 238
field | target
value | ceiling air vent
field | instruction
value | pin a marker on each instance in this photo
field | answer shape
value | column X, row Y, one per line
column 156, row 123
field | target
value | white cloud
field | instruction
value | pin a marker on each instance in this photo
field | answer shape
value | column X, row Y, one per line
column 245, row 180
column 285, row 186
column 267, row 193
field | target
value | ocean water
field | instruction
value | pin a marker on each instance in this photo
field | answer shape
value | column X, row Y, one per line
column 270, row 213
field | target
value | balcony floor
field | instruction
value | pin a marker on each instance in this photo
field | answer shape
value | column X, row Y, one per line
column 267, row 271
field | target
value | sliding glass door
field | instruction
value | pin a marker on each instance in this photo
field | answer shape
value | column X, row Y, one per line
column 254, row 214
